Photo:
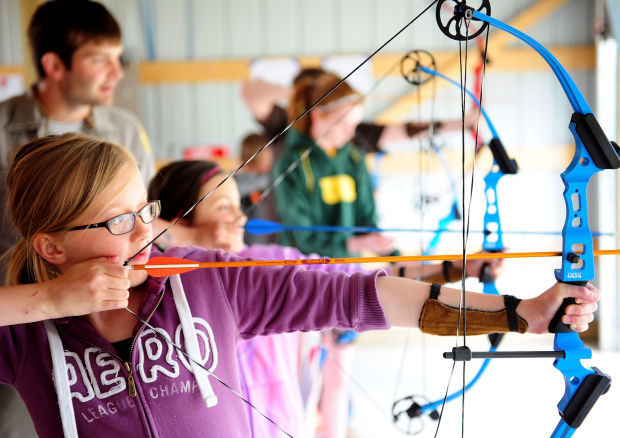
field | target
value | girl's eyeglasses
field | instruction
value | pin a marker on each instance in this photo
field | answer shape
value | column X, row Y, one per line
column 124, row 223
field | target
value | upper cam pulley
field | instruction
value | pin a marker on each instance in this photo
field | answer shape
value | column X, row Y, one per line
column 454, row 18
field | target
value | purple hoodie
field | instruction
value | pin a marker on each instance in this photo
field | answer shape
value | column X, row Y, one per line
column 228, row 304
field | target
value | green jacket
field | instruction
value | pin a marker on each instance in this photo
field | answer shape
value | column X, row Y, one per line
column 323, row 190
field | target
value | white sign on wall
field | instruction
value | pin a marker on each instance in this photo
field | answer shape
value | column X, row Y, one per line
column 10, row 85
column 282, row 71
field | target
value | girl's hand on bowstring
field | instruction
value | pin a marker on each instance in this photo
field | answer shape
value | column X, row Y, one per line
column 95, row 285
column 539, row 311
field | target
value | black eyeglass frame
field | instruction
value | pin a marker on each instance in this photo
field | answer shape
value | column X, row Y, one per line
column 106, row 224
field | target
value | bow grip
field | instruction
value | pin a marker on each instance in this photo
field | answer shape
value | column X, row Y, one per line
column 486, row 276
column 556, row 325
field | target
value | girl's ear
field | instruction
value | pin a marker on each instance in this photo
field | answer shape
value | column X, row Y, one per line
column 50, row 248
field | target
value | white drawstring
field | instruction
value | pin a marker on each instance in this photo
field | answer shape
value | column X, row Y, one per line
column 191, row 340
column 61, row 381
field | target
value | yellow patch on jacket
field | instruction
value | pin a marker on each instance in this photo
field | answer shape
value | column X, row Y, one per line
column 337, row 188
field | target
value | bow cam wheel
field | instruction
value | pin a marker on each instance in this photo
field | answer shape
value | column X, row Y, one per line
column 408, row 416
column 411, row 66
column 454, row 18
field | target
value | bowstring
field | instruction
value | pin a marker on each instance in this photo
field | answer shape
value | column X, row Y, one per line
column 462, row 310
column 466, row 218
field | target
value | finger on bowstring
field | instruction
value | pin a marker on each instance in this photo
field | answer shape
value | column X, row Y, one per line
column 113, row 294
column 115, row 284
column 112, row 266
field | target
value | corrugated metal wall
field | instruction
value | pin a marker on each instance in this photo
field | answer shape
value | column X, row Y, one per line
column 10, row 33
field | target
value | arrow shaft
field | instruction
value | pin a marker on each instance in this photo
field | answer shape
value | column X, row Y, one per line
column 389, row 259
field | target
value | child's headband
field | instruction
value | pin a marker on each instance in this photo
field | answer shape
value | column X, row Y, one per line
column 209, row 174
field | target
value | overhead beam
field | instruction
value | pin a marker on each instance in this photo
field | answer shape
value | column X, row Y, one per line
column 12, row 70
column 498, row 40
column 232, row 70
column 577, row 57
column 219, row 70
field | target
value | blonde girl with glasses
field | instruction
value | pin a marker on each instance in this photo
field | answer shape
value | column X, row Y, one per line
column 87, row 367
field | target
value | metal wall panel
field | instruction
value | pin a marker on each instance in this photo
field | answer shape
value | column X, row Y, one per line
column 280, row 23
column 318, row 27
column 212, row 31
column 127, row 13
column 11, row 41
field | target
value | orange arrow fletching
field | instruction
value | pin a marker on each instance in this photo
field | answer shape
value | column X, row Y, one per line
column 166, row 266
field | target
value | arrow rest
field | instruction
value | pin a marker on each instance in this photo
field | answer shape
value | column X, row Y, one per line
column 456, row 22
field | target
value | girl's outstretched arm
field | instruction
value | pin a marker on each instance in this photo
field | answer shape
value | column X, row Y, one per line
column 402, row 301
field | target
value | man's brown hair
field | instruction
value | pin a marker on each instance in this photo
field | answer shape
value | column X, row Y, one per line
column 62, row 26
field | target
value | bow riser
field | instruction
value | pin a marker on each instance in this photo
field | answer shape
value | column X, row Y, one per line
column 576, row 233
column 493, row 240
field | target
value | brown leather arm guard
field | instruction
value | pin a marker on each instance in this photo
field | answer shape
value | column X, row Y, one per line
column 440, row 319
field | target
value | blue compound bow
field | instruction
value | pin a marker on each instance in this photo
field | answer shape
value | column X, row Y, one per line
column 593, row 153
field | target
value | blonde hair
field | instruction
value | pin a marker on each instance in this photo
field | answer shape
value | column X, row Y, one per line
column 50, row 183
column 308, row 91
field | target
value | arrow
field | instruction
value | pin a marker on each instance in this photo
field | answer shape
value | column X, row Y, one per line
column 166, row 266
column 261, row 226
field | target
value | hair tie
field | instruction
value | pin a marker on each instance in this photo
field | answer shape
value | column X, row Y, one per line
column 209, row 174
